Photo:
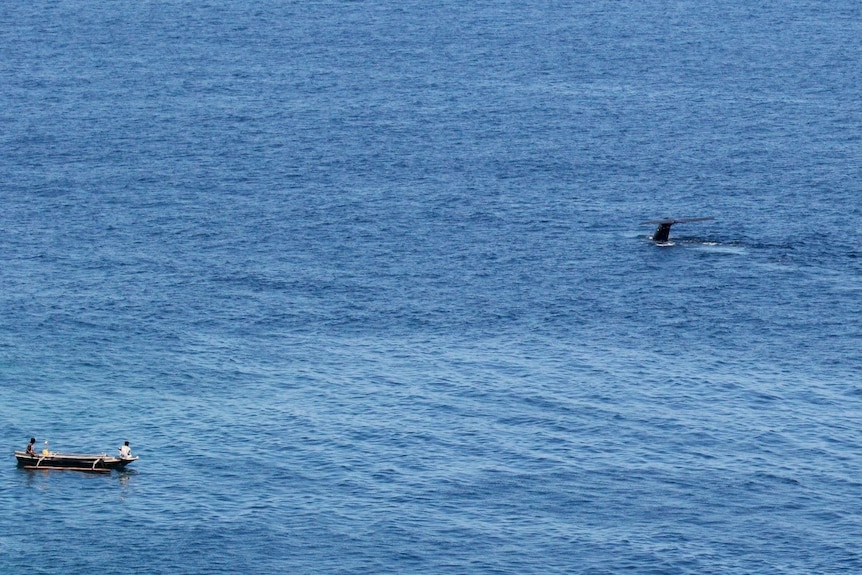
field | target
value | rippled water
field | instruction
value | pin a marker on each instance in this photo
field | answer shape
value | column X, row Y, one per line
column 365, row 286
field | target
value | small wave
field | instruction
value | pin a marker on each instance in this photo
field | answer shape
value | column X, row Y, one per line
column 722, row 249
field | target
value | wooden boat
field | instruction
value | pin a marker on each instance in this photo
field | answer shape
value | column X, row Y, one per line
column 72, row 461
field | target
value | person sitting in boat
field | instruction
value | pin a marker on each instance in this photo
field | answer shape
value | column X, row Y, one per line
column 125, row 451
column 30, row 449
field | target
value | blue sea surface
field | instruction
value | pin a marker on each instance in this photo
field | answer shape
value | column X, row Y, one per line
column 366, row 286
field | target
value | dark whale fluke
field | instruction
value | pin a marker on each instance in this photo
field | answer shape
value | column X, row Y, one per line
column 663, row 231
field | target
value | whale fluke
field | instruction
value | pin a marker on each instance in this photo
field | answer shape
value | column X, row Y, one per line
column 663, row 231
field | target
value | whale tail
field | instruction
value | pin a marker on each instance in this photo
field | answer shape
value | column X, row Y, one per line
column 662, row 233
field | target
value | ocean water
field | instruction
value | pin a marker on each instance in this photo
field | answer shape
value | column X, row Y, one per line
column 366, row 286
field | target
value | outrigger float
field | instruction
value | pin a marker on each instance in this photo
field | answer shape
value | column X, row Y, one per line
column 72, row 461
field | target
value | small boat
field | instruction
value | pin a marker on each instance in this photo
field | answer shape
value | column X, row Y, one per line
column 72, row 461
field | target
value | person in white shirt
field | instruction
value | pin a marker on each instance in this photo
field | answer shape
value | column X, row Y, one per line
column 125, row 451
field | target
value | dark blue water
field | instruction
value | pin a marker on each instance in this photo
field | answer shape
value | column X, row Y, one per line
column 365, row 286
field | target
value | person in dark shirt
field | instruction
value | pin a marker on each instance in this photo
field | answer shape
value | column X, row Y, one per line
column 30, row 450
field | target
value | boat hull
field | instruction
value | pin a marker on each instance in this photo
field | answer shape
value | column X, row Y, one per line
column 72, row 462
